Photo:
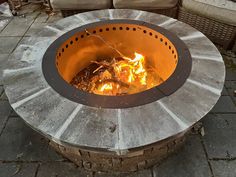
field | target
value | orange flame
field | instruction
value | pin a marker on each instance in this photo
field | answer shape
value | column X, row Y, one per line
column 128, row 71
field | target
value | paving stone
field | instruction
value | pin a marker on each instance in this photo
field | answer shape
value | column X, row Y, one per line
column 224, row 92
column 230, row 63
column 19, row 142
column 17, row 27
column 219, row 139
column 42, row 18
column 224, row 105
column 3, row 61
column 18, row 169
column 9, row 44
column 143, row 173
column 5, row 110
column 188, row 162
column 4, row 22
column 3, row 97
column 13, row 114
column 231, row 88
column 1, row 89
column 224, row 168
column 54, row 18
column 35, row 29
column 230, row 74
column 61, row 169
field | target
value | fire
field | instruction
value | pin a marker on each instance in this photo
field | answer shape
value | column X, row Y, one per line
column 117, row 76
column 128, row 71
column 106, row 87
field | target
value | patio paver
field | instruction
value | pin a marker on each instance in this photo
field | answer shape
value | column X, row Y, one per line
column 190, row 161
column 61, row 169
column 224, row 105
column 5, row 110
column 223, row 168
column 18, row 169
column 19, row 142
column 8, row 44
column 17, row 27
column 220, row 132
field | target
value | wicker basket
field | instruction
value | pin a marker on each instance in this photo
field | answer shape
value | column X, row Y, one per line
column 220, row 33
column 172, row 12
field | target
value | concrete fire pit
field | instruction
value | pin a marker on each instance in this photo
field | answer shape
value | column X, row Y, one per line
column 117, row 139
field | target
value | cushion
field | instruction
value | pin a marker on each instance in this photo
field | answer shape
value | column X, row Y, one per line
column 81, row 4
column 219, row 10
column 144, row 4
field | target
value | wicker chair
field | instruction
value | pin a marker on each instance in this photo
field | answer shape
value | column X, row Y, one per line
column 219, row 32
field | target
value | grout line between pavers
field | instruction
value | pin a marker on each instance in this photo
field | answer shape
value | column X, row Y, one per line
column 152, row 172
column 225, row 159
column 24, row 33
column 36, row 161
column 206, row 154
column 36, row 171
column 4, row 125
column 216, row 113
column 7, row 23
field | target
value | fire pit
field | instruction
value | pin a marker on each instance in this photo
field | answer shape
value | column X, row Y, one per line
column 133, row 62
column 115, row 90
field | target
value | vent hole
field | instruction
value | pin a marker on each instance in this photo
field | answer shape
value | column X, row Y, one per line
column 134, row 29
column 150, row 34
column 165, row 43
column 76, row 39
column 144, row 31
column 114, row 28
column 127, row 28
column 107, row 29
column 66, row 45
column 94, row 32
column 100, row 30
column 82, row 36
column 172, row 51
column 62, row 49
column 156, row 36
column 71, row 42
column 121, row 28
column 59, row 54
column 161, row 39
column 169, row 47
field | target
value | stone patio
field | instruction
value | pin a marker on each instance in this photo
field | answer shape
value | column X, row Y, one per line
column 25, row 153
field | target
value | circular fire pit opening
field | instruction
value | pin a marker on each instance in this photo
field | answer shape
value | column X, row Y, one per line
column 116, row 64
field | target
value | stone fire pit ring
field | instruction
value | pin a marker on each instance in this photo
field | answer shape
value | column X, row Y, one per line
column 105, row 139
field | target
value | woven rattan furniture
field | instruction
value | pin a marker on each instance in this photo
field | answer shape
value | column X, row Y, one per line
column 168, row 7
column 220, row 30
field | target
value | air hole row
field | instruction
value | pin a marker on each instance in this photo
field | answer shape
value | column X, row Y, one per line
column 114, row 28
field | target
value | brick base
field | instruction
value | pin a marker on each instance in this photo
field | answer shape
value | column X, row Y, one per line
column 110, row 161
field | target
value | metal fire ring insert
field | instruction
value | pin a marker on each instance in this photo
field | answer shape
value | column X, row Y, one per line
column 122, row 139
column 172, row 44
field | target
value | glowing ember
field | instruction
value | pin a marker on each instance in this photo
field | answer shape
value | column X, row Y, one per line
column 118, row 76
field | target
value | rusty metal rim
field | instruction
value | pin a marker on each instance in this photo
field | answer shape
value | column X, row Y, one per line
column 173, row 83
